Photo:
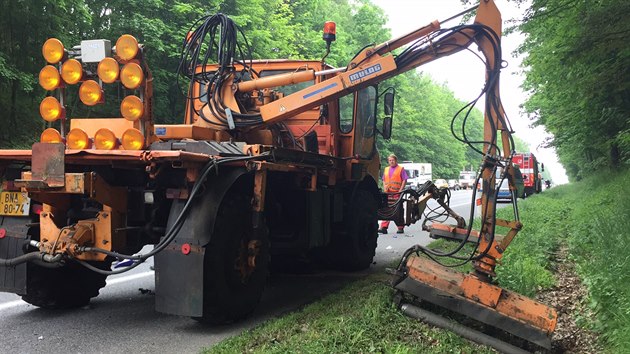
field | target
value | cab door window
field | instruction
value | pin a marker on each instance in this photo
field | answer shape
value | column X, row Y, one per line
column 365, row 122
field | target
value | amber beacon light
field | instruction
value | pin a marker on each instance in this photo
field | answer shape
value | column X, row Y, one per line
column 49, row 78
column 132, row 139
column 127, row 47
column 77, row 139
column 108, row 70
column 90, row 93
column 132, row 108
column 131, row 76
column 50, row 109
column 72, row 71
column 105, row 139
column 50, row 135
column 53, row 50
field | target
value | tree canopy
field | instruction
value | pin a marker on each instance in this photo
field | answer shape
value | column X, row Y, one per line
column 274, row 28
column 577, row 65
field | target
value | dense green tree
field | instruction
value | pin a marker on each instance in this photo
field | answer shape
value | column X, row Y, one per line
column 24, row 26
column 578, row 73
column 274, row 29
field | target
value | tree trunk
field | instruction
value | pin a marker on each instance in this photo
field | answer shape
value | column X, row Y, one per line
column 615, row 155
column 12, row 107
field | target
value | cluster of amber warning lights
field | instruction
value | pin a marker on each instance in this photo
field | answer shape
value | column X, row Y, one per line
column 62, row 71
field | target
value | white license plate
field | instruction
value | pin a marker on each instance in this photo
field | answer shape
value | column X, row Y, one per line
column 14, row 203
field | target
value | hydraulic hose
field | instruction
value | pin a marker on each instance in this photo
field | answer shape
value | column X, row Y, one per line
column 35, row 257
column 173, row 231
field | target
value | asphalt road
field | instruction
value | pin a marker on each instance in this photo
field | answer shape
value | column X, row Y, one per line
column 122, row 318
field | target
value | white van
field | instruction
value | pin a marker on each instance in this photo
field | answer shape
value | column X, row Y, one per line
column 417, row 173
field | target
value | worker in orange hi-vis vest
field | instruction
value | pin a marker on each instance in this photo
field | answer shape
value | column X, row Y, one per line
column 394, row 180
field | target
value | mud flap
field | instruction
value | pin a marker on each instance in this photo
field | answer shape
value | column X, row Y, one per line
column 179, row 268
column 13, row 279
column 179, row 279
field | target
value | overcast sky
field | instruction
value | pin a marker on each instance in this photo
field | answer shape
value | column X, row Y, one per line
column 463, row 73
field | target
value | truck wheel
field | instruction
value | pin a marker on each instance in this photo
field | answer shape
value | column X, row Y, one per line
column 353, row 247
column 232, row 286
column 62, row 288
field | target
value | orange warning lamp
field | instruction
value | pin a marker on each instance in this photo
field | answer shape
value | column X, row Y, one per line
column 132, row 139
column 51, row 109
column 53, row 51
column 77, row 139
column 127, row 47
column 132, row 108
column 49, row 78
column 131, row 76
column 50, row 135
column 105, row 139
column 90, row 93
column 72, row 71
column 330, row 31
column 108, row 70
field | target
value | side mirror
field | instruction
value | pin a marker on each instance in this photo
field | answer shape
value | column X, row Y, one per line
column 386, row 131
column 388, row 104
column 542, row 167
column 388, row 111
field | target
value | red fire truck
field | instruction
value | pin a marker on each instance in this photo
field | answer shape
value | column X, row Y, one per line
column 532, row 178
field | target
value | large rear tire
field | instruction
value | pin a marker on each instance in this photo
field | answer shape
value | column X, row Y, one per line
column 353, row 246
column 232, row 288
column 67, row 287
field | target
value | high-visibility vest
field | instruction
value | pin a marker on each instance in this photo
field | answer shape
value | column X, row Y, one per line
column 393, row 184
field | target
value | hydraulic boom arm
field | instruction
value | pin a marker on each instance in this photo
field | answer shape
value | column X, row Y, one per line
column 378, row 63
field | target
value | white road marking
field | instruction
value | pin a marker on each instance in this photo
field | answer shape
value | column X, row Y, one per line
column 129, row 278
column 458, row 205
column 113, row 281
column 10, row 304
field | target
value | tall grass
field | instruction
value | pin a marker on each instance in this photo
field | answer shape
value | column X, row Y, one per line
column 525, row 267
column 592, row 218
column 599, row 240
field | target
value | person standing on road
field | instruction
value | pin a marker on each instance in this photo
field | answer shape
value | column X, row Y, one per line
column 394, row 181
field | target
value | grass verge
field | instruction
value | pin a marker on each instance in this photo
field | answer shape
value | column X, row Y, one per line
column 359, row 318
column 590, row 217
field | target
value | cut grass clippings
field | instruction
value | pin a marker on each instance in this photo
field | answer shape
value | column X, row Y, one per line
column 359, row 318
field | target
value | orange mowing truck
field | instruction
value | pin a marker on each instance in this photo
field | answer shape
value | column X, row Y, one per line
column 273, row 160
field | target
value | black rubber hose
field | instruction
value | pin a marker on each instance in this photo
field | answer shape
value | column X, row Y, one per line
column 36, row 257
column 466, row 332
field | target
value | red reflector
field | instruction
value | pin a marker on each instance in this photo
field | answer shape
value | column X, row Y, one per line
column 186, row 248
column 478, row 202
column 3, row 232
column 37, row 209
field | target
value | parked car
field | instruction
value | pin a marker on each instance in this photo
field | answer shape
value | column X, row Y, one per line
column 453, row 184
column 441, row 183
column 504, row 191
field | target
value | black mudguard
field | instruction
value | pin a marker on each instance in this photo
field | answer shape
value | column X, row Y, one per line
column 179, row 272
